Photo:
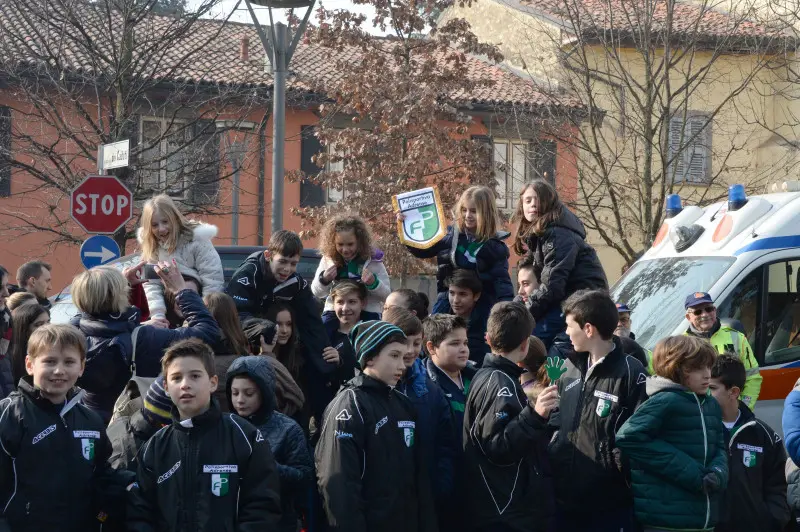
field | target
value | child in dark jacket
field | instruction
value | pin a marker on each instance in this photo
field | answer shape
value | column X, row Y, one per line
column 53, row 469
column 675, row 441
column 207, row 471
column 434, row 420
column 503, row 433
column 251, row 394
column 756, row 494
column 474, row 242
column 463, row 292
column 370, row 471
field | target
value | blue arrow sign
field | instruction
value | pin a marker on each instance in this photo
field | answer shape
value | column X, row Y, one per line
column 99, row 250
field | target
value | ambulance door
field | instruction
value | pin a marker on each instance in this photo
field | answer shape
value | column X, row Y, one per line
column 767, row 305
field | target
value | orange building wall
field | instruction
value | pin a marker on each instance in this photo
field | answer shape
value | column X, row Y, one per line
column 17, row 247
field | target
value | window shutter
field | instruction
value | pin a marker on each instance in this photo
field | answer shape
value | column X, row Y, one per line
column 311, row 194
column 697, row 154
column 677, row 168
column 205, row 180
column 5, row 152
column 543, row 159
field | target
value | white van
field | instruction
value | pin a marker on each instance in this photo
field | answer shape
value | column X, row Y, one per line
column 746, row 253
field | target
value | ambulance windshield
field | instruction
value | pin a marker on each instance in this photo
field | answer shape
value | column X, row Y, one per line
column 656, row 289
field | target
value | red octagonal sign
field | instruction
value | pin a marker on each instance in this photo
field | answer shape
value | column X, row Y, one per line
column 101, row 204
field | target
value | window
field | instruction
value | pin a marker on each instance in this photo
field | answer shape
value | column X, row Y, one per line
column 517, row 162
column 165, row 155
column 335, row 190
column 689, row 148
column 772, row 320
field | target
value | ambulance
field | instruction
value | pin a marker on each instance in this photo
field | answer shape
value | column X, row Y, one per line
column 745, row 252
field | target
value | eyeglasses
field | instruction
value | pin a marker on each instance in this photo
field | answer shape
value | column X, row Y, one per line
column 707, row 310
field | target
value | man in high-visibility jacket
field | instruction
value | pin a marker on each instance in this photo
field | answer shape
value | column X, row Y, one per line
column 703, row 322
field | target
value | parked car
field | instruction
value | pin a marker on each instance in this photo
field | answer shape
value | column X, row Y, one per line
column 232, row 256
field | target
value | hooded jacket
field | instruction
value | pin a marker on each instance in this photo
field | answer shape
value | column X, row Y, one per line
column 377, row 292
column 595, row 402
column 504, row 440
column 210, row 473
column 566, row 261
column 490, row 261
column 756, row 494
column 254, row 289
column 370, row 471
column 196, row 257
column 672, row 441
column 129, row 432
column 53, row 471
column 110, row 353
column 435, row 430
column 108, row 357
column 284, row 435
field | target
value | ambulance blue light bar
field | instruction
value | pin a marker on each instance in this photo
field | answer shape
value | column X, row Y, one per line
column 674, row 205
column 736, row 197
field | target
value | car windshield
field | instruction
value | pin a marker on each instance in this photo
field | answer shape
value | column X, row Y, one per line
column 656, row 289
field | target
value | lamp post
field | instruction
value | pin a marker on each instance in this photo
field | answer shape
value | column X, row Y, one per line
column 279, row 46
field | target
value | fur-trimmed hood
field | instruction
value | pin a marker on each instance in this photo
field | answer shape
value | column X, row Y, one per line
column 200, row 231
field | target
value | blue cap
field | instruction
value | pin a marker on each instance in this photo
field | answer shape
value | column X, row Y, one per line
column 698, row 298
column 622, row 307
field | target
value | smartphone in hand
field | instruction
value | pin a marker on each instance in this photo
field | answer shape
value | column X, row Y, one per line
column 150, row 272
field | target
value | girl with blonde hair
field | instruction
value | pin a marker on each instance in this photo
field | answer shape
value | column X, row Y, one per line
column 473, row 242
column 347, row 253
column 166, row 234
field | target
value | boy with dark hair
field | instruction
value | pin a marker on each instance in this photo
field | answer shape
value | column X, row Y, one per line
column 463, row 291
column 370, row 470
column 756, row 494
column 600, row 388
column 504, row 435
column 53, row 464
column 434, row 420
column 207, row 471
column 268, row 277
column 448, row 365
column 527, row 278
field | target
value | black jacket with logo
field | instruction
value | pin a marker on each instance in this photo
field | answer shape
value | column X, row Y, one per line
column 594, row 404
column 756, row 494
column 254, row 290
column 369, row 465
column 504, row 443
column 212, row 473
column 53, row 470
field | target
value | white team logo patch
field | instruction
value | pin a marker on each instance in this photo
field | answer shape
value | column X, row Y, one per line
column 505, row 392
column 244, row 281
column 344, row 415
column 259, row 436
column 642, row 379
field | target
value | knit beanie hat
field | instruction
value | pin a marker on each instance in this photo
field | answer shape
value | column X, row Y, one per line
column 157, row 404
column 369, row 337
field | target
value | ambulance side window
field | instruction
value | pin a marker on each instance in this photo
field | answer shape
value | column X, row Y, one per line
column 781, row 322
column 742, row 305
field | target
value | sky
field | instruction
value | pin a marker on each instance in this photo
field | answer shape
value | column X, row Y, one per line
column 242, row 15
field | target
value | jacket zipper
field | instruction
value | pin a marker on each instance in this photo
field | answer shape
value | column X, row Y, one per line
column 189, row 509
column 705, row 456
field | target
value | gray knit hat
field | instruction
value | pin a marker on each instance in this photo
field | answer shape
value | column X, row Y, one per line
column 369, row 337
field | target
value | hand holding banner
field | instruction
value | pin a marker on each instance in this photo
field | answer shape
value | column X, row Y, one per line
column 422, row 223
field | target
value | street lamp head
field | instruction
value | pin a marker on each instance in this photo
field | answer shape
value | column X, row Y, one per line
column 283, row 4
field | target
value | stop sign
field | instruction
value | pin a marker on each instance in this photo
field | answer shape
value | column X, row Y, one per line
column 101, row 204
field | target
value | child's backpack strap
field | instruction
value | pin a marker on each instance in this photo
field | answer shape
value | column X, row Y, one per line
column 134, row 336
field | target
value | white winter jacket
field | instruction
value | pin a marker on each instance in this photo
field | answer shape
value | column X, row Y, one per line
column 375, row 297
column 196, row 258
